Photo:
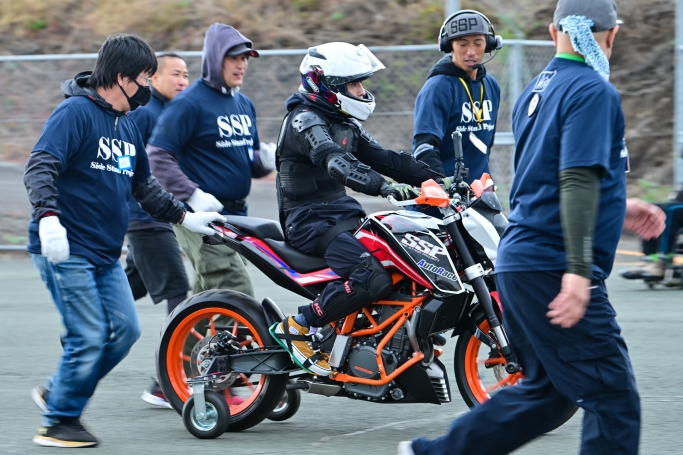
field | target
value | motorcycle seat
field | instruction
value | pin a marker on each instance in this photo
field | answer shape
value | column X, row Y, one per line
column 258, row 227
column 301, row 262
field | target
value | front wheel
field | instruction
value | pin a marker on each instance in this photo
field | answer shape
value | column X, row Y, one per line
column 480, row 370
column 214, row 422
column 184, row 348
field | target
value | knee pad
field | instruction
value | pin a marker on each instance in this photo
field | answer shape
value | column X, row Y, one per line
column 376, row 279
column 367, row 283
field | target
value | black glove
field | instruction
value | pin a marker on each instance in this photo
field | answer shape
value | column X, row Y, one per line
column 400, row 191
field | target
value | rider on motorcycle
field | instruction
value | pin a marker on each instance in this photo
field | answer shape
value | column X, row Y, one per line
column 321, row 149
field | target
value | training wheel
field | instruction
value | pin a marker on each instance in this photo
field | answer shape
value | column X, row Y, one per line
column 287, row 406
column 215, row 420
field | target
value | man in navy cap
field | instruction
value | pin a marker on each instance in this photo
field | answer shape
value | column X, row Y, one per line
column 571, row 161
column 205, row 149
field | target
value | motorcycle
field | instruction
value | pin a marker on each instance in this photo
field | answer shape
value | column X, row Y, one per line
column 219, row 367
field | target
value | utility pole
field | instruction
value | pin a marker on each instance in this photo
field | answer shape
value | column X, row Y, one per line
column 450, row 7
column 678, row 96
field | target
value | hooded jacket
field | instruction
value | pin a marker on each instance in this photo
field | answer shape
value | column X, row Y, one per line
column 444, row 106
column 83, row 167
column 207, row 134
column 218, row 40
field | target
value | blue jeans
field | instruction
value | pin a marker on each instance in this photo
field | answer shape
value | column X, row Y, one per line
column 98, row 312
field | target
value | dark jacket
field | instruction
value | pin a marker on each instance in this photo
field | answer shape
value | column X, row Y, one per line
column 72, row 172
column 310, row 198
column 175, row 151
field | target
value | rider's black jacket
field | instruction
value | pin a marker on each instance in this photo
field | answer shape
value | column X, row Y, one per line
column 320, row 151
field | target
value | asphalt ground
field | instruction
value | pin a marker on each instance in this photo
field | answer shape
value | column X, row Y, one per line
column 29, row 348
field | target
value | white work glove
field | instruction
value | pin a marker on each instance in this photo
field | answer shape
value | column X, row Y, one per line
column 197, row 221
column 267, row 154
column 53, row 242
column 204, row 202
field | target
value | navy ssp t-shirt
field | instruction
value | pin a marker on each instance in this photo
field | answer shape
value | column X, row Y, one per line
column 145, row 118
column 568, row 117
column 443, row 106
column 101, row 156
column 213, row 136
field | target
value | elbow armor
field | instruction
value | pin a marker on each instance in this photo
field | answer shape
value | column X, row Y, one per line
column 354, row 174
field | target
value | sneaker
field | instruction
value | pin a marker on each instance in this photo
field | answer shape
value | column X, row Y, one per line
column 39, row 395
column 67, row 433
column 292, row 337
column 153, row 395
column 405, row 448
column 649, row 271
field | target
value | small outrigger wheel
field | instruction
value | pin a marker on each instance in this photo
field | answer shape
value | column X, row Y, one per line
column 207, row 418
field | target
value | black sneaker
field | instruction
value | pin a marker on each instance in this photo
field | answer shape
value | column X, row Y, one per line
column 39, row 395
column 67, row 433
column 154, row 395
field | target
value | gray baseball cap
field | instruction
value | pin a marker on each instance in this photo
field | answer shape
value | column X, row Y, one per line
column 603, row 13
column 466, row 23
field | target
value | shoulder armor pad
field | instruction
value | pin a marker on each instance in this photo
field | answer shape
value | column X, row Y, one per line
column 306, row 120
column 364, row 135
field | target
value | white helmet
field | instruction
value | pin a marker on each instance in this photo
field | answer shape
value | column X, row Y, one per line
column 326, row 70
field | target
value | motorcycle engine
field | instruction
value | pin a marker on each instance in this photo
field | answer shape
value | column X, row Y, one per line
column 363, row 364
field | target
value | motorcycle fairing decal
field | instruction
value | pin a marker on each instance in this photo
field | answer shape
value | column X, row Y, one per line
column 303, row 279
column 423, row 247
column 382, row 251
column 437, row 270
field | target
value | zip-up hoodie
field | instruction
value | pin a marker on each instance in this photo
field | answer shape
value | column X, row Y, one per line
column 443, row 106
column 87, row 161
column 219, row 39
column 446, row 66
column 78, row 86
column 183, row 158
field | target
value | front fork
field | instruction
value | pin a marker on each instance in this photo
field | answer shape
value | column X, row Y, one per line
column 475, row 274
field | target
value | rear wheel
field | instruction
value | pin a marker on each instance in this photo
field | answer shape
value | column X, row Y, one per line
column 480, row 370
column 184, row 343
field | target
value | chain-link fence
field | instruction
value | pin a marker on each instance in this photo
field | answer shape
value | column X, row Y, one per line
column 30, row 90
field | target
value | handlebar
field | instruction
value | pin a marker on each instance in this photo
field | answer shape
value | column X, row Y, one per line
column 398, row 203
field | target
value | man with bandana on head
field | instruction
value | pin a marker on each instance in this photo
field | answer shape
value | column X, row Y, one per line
column 568, row 207
column 87, row 162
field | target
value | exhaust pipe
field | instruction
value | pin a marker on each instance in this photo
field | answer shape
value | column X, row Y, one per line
column 317, row 388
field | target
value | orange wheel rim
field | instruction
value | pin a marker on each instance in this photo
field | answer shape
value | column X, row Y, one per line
column 472, row 364
column 178, row 361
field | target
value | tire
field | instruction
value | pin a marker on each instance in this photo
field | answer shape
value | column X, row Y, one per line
column 472, row 376
column 217, row 421
column 287, row 406
column 251, row 398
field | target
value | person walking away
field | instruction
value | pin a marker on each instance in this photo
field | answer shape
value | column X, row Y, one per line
column 568, row 208
column 88, row 160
